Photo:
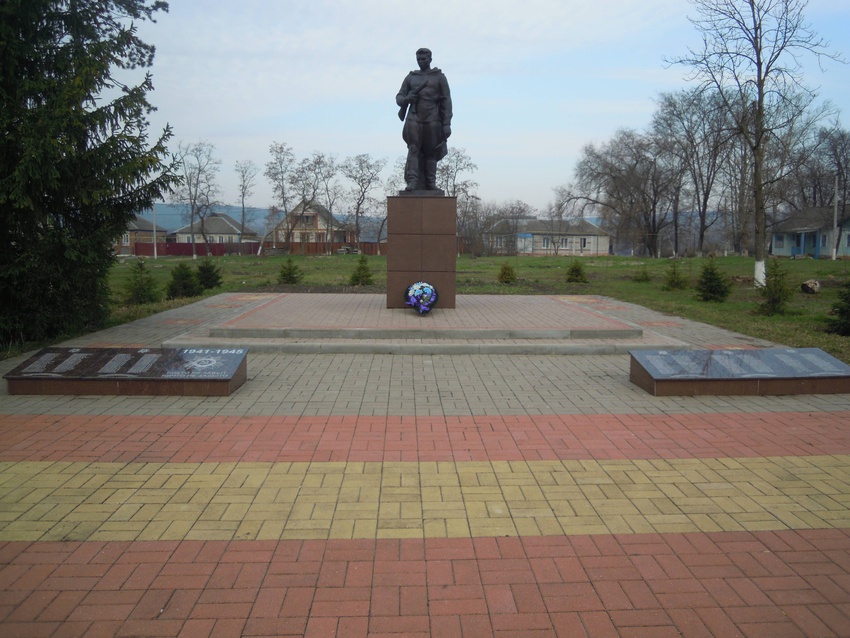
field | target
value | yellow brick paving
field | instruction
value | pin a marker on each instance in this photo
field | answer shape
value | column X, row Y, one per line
column 222, row 501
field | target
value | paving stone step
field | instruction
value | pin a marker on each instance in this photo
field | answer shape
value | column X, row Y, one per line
column 341, row 345
column 425, row 333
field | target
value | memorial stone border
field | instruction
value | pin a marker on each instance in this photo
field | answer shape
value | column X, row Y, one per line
column 131, row 371
column 759, row 371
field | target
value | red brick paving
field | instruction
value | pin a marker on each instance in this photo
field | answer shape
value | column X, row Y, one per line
column 781, row 583
column 632, row 585
column 351, row 438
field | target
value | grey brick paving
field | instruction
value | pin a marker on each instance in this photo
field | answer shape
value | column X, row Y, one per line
column 316, row 384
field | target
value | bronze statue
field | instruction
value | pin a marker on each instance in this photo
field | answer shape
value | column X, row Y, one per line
column 426, row 109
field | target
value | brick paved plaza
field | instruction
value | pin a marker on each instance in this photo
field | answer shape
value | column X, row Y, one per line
column 348, row 491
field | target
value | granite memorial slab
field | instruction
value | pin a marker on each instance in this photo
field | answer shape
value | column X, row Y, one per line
column 131, row 371
column 765, row 371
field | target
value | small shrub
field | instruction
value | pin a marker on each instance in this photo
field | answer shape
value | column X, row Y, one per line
column 777, row 291
column 507, row 274
column 840, row 322
column 642, row 276
column 141, row 287
column 575, row 273
column 209, row 275
column 362, row 275
column 290, row 273
column 674, row 279
column 184, row 282
column 713, row 284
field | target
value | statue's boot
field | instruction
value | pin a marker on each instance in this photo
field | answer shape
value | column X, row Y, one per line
column 431, row 174
column 411, row 173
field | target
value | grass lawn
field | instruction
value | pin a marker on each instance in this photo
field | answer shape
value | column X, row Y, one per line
column 802, row 326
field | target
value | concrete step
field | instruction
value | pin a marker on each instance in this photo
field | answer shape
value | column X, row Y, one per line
column 403, row 334
column 426, row 346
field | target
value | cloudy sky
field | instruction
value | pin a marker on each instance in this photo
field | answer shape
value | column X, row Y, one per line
column 532, row 81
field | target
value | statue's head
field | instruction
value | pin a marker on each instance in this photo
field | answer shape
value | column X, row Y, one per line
column 423, row 58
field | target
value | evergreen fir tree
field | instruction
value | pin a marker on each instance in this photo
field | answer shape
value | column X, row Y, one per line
column 289, row 273
column 141, row 287
column 713, row 284
column 209, row 275
column 362, row 275
column 507, row 274
column 75, row 162
column 840, row 322
column 642, row 276
column 575, row 273
column 675, row 280
column 776, row 292
column 184, row 282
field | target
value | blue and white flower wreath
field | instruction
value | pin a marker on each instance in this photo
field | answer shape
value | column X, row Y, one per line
column 422, row 296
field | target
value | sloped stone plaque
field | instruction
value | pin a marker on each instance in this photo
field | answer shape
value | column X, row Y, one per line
column 131, row 371
column 767, row 371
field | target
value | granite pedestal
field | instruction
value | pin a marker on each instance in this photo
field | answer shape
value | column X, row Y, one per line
column 421, row 246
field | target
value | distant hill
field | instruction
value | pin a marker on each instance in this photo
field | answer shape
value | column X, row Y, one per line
column 174, row 216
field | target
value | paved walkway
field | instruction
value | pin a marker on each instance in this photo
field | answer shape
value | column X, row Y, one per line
column 434, row 494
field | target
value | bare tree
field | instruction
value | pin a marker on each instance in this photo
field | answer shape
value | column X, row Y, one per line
column 489, row 215
column 559, row 216
column 629, row 182
column 820, row 178
column 199, row 190
column 395, row 182
column 837, row 148
column 270, row 222
column 330, row 190
column 364, row 172
column 306, row 184
column 470, row 224
column 246, row 171
column 278, row 171
column 507, row 218
column 735, row 200
column 694, row 127
column 450, row 171
column 750, row 56
column 813, row 177
column 453, row 178
column 788, row 146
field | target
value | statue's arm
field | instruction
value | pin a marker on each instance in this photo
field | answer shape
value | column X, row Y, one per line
column 446, row 106
column 403, row 92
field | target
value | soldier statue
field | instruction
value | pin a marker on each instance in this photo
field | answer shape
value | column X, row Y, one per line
column 426, row 109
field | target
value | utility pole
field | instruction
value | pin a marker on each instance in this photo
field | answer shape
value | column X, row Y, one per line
column 155, row 238
column 835, row 221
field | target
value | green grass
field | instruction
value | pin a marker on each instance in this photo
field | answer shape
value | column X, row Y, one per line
column 802, row 326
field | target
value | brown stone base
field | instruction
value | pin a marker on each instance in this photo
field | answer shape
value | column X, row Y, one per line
column 421, row 246
column 131, row 387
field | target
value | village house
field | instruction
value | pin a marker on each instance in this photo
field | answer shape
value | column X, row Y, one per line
column 312, row 228
column 218, row 229
column 542, row 237
column 811, row 232
column 139, row 231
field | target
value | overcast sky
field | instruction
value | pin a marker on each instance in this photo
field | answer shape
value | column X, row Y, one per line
column 532, row 81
